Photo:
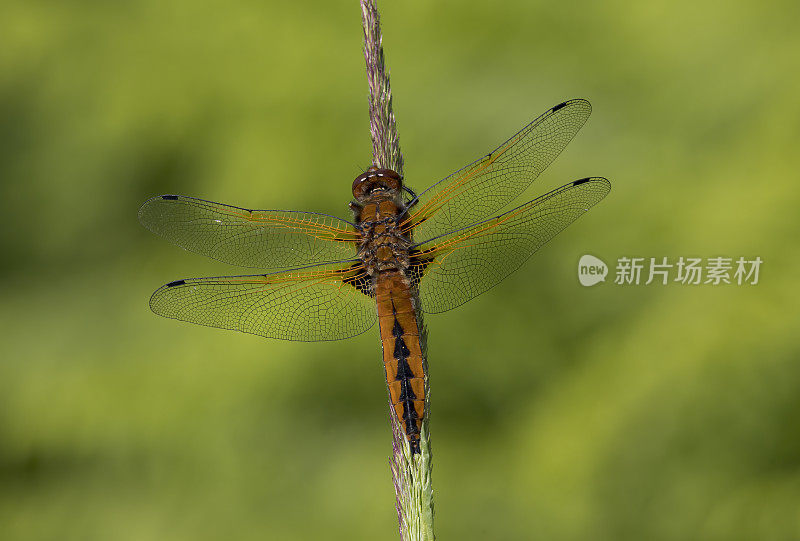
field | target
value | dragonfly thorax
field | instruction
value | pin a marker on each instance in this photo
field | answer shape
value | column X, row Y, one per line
column 383, row 245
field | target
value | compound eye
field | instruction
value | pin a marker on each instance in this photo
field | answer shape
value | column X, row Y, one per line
column 361, row 185
column 391, row 182
column 376, row 178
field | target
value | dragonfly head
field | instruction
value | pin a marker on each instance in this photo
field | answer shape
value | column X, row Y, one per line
column 376, row 180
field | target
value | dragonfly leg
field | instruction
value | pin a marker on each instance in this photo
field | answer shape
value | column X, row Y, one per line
column 414, row 197
column 414, row 200
column 356, row 208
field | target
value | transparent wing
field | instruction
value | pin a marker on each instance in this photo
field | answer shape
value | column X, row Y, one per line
column 264, row 239
column 484, row 187
column 328, row 302
column 454, row 268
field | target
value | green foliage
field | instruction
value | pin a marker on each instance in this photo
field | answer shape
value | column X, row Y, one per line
column 559, row 412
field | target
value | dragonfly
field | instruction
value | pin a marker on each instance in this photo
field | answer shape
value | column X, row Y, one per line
column 402, row 254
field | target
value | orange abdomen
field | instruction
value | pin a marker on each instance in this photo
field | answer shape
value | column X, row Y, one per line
column 403, row 358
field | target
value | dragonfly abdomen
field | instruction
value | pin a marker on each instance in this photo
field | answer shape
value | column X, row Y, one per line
column 403, row 357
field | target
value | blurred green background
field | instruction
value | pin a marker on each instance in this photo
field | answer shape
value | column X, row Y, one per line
column 559, row 412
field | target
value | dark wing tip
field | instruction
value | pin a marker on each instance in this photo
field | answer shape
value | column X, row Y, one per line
column 601, row 180
column 147, row 206
column 176, row 283
column 574, row 101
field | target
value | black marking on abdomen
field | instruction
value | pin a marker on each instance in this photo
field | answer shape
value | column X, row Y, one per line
column 404, row 374
column 406, row 392
column 401, row 350
column 403, row 370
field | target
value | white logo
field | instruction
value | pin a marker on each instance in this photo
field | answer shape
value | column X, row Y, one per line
column 691, row 271
column 591, row 270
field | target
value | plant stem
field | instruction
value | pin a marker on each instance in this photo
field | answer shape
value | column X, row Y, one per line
column 382, row 128
column 411, row 472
